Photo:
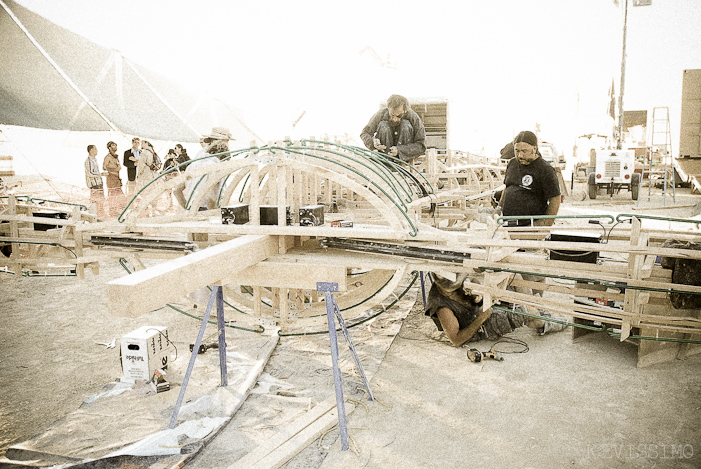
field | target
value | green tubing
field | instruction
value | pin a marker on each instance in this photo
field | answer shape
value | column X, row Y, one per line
column 550, row 319
column 398, row 163
column 603, row 328
column 123, row 263
column 121, row 218
column 217, row 155
column 377, row 167
column 344, row 309
column 29, row 198
column 59, row 245
column 501, row 219
column 303, row 150
column 82, row 207
column 376, row 164
column 243, row 188
column 384, row 308
column 412, row 233
column 623, row 217
column 604, row 283
column 262, row 329
column 660, row 339
column 380, row 160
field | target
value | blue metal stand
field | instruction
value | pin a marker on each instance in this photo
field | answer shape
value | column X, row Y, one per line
column 331, row 311
column 218, row 296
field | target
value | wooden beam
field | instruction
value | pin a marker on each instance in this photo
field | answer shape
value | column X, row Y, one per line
column 289, row 275
column 151, row 288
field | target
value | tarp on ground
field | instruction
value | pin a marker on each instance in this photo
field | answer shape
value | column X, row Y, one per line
column 51, row 78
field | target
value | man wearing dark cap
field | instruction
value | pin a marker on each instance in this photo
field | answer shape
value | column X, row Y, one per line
column 532, row 187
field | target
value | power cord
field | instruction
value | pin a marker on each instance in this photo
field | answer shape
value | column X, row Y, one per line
column 475, row 355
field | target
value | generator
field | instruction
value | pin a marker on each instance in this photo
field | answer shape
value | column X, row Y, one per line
column 614, row 170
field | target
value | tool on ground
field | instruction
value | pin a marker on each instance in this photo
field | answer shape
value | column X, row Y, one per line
column 158, row 382
column 204, row 347
column 476, row 356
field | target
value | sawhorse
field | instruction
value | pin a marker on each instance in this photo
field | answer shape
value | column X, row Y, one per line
column 218, row 296
column 331, row 311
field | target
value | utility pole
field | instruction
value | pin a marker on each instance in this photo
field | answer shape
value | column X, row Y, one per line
column 619, row 144
column 636, row 3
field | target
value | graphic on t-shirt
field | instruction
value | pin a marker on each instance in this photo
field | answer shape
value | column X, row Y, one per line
column 527, row 180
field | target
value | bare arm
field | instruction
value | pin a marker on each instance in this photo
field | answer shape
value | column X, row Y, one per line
column 553, row 208
column 451, row 327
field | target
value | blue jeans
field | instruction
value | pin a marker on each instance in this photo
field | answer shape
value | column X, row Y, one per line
column 393, row 136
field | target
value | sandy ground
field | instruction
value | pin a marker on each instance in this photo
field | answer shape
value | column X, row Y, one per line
column 561, row 404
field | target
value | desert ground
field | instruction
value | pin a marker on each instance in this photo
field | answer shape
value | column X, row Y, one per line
column 557, row 404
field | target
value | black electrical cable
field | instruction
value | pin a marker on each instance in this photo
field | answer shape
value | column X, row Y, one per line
column 511, row 340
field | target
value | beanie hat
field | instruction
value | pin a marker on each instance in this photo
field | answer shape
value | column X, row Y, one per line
column 527, row 136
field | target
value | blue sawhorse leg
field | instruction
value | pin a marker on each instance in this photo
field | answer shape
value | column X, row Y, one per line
column 331, row 311
column 423, row 288
column 218, row 296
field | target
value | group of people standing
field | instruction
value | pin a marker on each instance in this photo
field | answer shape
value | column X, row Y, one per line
column 142, row 163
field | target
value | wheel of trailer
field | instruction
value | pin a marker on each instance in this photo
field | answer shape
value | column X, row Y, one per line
column 635, row 186
column 592, row 186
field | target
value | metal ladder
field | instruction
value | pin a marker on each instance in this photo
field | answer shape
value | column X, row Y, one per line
column 660, row 144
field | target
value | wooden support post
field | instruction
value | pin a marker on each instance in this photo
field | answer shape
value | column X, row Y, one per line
column 254, row 203
column 14, row 225
column 634, row 267
column 78, row 239
column 257, row 301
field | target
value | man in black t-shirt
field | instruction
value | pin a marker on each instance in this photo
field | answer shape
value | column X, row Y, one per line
column 532, row 187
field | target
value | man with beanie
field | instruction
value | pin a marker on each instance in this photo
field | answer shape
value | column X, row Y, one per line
column 532, row 187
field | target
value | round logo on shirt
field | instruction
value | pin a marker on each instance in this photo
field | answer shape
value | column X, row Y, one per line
column 527, row 180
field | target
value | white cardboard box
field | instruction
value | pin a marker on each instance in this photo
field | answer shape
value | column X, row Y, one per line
column 144, row 350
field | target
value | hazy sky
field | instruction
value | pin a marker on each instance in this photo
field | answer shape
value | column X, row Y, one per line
column 503, row 65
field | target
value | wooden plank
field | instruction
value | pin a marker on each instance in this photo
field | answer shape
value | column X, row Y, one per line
column 289, row 275
column 285, row 434
column 294, row 438
column 151, row 288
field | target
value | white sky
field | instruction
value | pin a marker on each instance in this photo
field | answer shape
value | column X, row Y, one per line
column 503, row 65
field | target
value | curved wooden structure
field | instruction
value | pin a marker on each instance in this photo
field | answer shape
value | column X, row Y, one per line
column 270, row 271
